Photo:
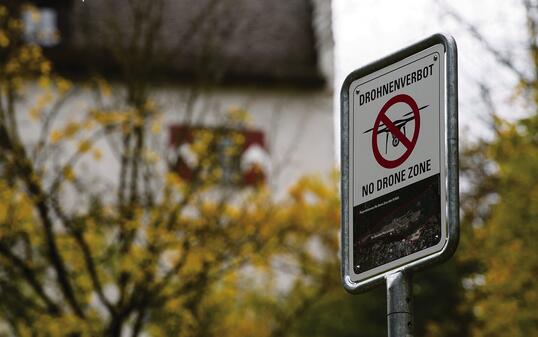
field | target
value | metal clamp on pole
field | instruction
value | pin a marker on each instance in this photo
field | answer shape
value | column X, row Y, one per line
column 399, row 304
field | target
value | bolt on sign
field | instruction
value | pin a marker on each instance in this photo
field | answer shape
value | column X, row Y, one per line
column 399, row 162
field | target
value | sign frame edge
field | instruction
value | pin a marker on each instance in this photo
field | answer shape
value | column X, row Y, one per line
column 451, row 155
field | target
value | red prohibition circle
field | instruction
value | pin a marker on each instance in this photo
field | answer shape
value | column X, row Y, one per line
column 395, row 131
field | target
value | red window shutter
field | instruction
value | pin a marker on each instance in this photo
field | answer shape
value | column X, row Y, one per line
column 251, row 174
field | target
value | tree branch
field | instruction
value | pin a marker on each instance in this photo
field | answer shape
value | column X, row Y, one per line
column 25, row 171
column 478, row 36
column 30, row 277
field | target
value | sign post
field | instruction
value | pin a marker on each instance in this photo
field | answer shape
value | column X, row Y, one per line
column 399, row 304
column 400, row 193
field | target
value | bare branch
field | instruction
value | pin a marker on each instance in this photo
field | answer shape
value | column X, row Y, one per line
column 47, row 123
column 30, row 277
column 478, row 36
column 71, row 162
column 77, row 234
column 25, row 171
column 532, row 17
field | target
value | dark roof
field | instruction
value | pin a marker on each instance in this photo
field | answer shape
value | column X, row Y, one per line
column 261, row 41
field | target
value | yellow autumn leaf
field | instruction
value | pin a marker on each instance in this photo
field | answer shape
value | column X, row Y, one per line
column 4, row 39
column 84, row 146
column 155, row 127
column 45, row 67
column 69, row 173
column 44, row 82
column 56, row 136
column 63, row 85
column 104, row 87
column 35, row 114
column 97, row 154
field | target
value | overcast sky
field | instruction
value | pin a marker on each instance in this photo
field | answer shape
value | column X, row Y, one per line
column 366, row 30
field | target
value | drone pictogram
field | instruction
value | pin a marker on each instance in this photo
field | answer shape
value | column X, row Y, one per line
column 400, row 124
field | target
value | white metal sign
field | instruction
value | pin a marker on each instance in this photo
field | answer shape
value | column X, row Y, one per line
column 396, row 164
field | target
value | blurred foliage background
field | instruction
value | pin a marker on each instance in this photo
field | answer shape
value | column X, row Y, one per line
column 161, row 256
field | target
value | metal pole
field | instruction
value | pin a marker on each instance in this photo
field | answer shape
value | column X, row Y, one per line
column 400, row 304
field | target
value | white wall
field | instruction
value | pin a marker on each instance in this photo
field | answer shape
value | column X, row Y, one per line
column 298, row 126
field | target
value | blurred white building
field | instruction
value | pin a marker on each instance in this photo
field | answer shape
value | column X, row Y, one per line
column 273, row 59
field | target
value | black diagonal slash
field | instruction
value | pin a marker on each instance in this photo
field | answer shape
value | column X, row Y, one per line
column 396, row 132
column 394, row 127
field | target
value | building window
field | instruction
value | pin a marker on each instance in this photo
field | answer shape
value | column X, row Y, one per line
column 41, row 26
column 241, row 155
